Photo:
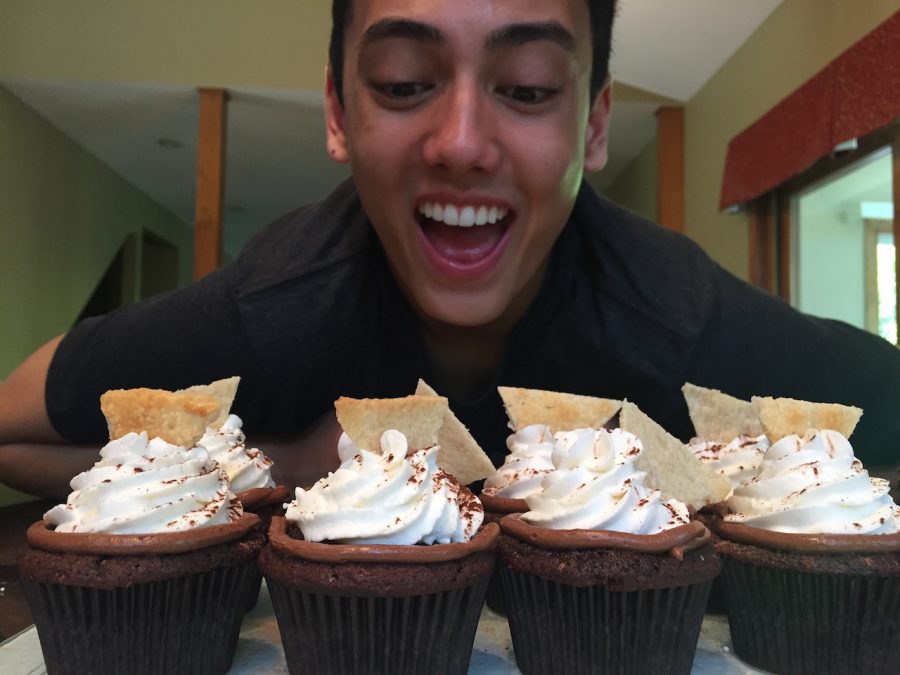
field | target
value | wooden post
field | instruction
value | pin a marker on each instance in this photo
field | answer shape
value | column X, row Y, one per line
column 670, row 167
column 761, row 242
column 210, row 181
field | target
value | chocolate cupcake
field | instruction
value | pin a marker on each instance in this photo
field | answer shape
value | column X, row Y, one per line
column 534, row 415
column 382, row 565
column 249, row 474
column 601, row 574
column 524, row 467
column 249, row 471
column 143, row 569
column 520, row 476
column 812, row 561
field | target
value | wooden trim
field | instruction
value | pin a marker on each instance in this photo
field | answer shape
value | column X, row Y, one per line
column 761, row 243
column 670, row 167
column 210, row 181
column 784, row 246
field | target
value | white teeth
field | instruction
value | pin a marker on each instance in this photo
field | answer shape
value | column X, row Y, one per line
column 451, row 215
column 462, row 216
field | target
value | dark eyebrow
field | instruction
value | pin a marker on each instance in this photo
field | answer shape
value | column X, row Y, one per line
column 402, row 28
column 518, row 34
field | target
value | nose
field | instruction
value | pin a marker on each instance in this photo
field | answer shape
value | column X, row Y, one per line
column 462, row 138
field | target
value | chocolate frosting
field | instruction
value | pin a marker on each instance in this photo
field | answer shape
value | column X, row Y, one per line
column 257, row 498
column 484, row 540
column 41, row 535
column 676, row 541
column 805, row 543
column 502, row 504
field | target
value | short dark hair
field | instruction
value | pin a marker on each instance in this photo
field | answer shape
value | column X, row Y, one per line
column 602, row 14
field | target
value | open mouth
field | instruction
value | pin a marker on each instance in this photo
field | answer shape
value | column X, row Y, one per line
column 462, row 236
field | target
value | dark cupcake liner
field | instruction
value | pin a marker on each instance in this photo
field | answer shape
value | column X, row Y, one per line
column 252, row 592
column 183, row 625
column 410, row 634
column 715, row 603
column 787, row 621
column 494, row 597
column 557, row 628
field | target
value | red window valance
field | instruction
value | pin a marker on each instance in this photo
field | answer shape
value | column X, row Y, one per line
column 852, row 96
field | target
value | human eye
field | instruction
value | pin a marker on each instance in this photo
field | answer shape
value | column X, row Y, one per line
column 525, row 95
column 402, row 92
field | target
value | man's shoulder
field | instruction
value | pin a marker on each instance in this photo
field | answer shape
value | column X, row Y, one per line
column 324, row 236
column 644, row 267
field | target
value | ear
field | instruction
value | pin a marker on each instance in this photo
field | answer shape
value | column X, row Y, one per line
column 335, row 138
column 597, row 139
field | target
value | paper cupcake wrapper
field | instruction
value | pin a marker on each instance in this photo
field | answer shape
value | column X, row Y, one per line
column 253, row 588
column 413, row 634
column 494, row 597
column 715, row 603
column 564, row 629
column 184, row 625
column 787, row 621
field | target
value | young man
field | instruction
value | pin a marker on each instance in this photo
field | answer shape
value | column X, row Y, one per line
column 466, row 250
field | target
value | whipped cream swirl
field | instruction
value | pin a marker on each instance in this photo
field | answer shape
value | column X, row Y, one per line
column 595, row 486
column 144, row 487
column 737, row 460
column 528, row 461
column 246, row 468
column 814, row 485
column 386, row 498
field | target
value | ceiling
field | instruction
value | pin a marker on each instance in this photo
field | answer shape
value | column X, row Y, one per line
column 663, row 51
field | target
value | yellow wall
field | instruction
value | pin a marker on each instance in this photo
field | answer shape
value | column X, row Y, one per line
column 63, row 217
column 800, row 38
column 635, row 187
column 258, row 43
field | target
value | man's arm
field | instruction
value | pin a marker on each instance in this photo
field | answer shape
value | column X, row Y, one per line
column 33, row 456
column 23, row 412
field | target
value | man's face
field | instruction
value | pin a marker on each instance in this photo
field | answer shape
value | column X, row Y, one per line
column 468, row 125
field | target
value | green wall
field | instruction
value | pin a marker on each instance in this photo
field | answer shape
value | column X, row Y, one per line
column 63, row 217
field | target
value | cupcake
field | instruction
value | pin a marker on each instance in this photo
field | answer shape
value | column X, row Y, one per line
column 533, row 416
column 812, row 551
column 521, row 474
column 602, row 573
column 728, row 434
column 249, row 471
column 143, row 568
column 729, row 439
column 382, row 565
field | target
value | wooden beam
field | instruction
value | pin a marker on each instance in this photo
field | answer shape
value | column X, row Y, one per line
column 670, row 167
column 210, row 181
column 761, row 243
column 783, row 249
